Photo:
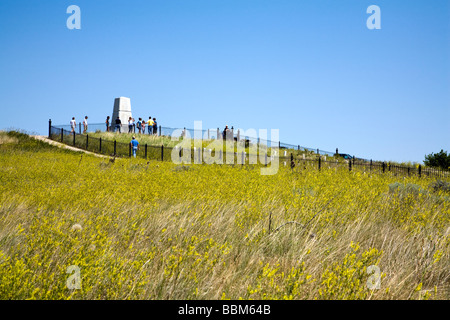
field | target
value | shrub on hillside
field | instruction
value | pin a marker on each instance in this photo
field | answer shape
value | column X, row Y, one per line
column 404, row 189
column 439, row 185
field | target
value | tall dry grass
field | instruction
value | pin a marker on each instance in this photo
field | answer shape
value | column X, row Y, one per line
column 141, row 230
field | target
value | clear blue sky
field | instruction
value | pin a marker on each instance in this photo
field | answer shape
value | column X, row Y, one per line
column 309, row 68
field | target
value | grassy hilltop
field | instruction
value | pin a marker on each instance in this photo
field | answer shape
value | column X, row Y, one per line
column 155, row 142
column 139, row 229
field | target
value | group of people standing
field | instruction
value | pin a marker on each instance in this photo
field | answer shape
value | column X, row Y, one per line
column 73, row 124
column 151, row 124
column 226, row 133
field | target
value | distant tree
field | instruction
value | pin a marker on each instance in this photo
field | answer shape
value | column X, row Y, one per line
column 440, row 160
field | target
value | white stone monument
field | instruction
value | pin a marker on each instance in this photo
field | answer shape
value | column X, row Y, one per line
column 122, row 109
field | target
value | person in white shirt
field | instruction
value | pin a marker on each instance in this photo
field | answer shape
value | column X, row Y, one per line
column 73, row 124
column 130, row 125
column 85, row 124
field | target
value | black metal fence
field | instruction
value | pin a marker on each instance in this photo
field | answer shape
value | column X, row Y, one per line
column 207, row 134
column 368, row 167
column 290, row 155
column 120, row 149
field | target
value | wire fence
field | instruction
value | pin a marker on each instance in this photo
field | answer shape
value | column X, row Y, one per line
column 297, row 157
column 207, row 134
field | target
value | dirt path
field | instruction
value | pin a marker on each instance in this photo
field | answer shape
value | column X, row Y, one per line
column 65, row 146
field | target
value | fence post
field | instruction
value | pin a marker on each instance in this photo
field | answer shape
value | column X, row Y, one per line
column 62, row 135
column 162, row 152
column 208, row 134
column 319, row 162
column 50, row 128
column 218, row 133
column 160, row 131
column 420, row 170
column 384, row 166
column 79, row 126
column 87, row 141
column 100, row 146
column 350, row 165
column 239, row 135
column 145, row 151
column 115, row 147
column 74, row 138
column 318, row 151
column 370, row 164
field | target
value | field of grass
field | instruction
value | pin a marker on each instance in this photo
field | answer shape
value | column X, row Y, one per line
column 137, row 229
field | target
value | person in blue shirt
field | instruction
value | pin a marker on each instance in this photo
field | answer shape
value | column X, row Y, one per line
column 155, row 126
column 134, row 145
column 139, row 124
